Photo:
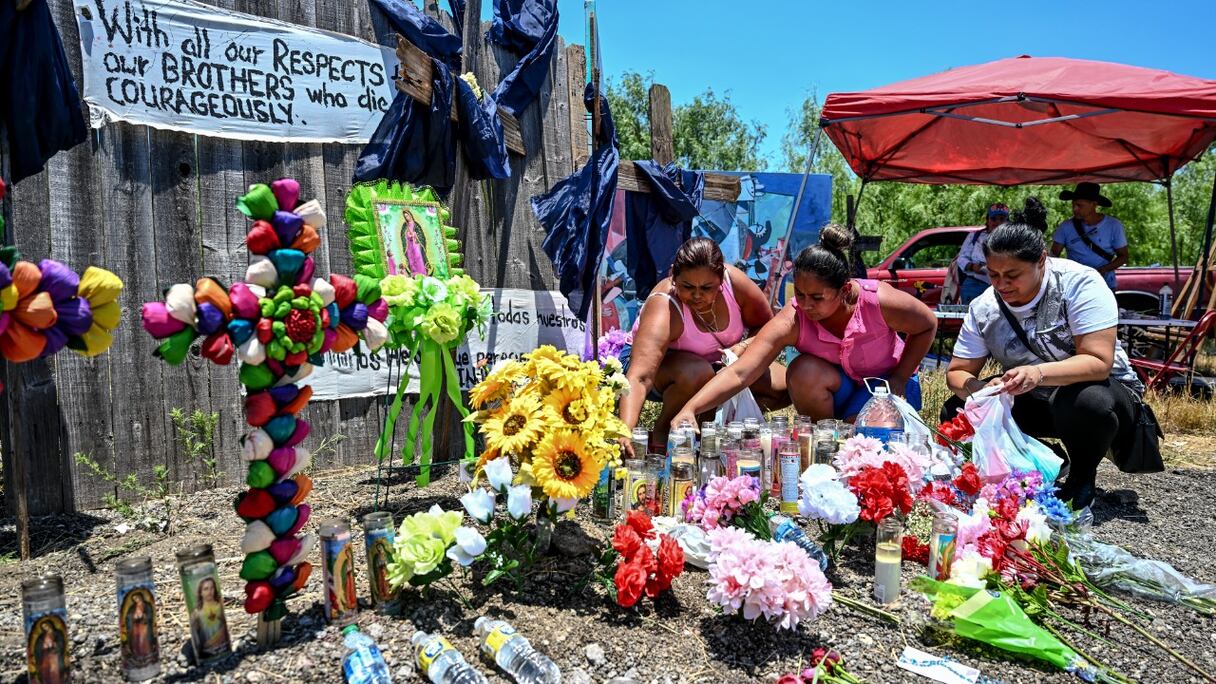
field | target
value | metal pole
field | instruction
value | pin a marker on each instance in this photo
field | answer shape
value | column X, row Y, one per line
column 1169, row 200
column 1207, row 244
column 593, row 55
column 789, row 228
column 854, row 255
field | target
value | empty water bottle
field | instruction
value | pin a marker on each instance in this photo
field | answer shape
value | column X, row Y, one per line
column 441, row 663
column 363, row 663
column 786, row 530
column 514, row 654
column 879, row 417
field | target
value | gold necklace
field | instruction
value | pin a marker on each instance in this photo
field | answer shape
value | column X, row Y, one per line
column 711, row 328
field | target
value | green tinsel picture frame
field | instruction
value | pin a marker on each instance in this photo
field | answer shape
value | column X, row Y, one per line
column 397, row 229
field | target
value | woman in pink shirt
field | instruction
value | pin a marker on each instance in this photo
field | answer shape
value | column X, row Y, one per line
column 705, row 307
column 845, row 329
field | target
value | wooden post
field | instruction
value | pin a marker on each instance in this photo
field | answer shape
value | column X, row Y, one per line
column 576, row 83
column 662, row 145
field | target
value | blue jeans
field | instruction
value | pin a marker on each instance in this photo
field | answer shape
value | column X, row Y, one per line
column 848, row 401
column 971, row 288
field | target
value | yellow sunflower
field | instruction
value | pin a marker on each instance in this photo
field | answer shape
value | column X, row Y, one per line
column 546, row 352
column 568, row 408
column 515, row 427
column 563, row 467
column 498, row 384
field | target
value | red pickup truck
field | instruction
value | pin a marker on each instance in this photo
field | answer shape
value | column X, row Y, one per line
column 918, row 266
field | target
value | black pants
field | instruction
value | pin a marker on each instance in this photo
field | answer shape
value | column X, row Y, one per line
column 1087, row 417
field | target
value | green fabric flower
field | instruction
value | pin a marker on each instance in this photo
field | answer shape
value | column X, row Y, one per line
column 433, row 291
column 442, row 323
column 400, row 291
column 464, row 292
column 421, row 544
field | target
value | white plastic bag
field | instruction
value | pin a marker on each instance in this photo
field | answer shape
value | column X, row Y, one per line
column 914, row 425
column 999, row 446
column 741, row 406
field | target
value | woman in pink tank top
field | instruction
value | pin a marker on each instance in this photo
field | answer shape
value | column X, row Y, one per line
column 705, row 307
column 845, row 329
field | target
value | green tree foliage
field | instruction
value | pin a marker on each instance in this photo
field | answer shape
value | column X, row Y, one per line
column 896, row 211
column 707, row 133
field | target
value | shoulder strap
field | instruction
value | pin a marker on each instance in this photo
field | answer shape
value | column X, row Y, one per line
column 1017, row 327
column 1076, row 224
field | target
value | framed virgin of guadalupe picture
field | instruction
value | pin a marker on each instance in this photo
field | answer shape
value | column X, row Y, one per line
column 396, row 229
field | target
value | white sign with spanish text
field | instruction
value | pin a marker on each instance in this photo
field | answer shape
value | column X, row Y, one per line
column 523, row 320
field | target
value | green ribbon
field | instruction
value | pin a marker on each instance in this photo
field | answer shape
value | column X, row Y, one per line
column 383, row 444
column 435, row 365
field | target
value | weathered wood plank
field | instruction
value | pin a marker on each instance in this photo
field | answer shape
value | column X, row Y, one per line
column 717, row 186
column 415, row 81
column 576, row 85
column 220, row 174
column 662, row 146
column 137, row 410
column 33, row 448
column 179, row 260
column 83, row 383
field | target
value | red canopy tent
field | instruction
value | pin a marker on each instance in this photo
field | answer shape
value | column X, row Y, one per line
column 1029, row 120
column 1025, row 120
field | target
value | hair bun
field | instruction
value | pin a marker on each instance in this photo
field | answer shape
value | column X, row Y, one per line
column 836, row 237
column 1033, row 214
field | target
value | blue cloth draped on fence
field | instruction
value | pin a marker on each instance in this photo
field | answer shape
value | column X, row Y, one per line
column 577, row 211
column 659, row 221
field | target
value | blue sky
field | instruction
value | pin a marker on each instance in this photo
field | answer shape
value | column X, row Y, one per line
column 770, row 55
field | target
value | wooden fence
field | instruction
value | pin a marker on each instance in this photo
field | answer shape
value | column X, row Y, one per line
column 156, row 208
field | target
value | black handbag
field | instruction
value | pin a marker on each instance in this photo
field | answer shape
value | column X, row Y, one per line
column 1142, row 451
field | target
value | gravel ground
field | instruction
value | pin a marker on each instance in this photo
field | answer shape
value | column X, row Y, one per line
column 681, row 638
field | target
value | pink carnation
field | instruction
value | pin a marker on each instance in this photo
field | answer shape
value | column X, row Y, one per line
column 719, row 500
column 762, row 579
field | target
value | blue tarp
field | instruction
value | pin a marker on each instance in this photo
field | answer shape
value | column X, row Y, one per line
column 530, row 27
column 577, row 211
column 658, row 222
column 39, row 103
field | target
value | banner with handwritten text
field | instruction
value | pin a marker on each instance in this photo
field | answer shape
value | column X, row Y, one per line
column 523, row 320
column 185, row 66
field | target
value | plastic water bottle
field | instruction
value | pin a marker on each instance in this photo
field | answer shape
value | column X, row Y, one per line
column 441, row 663
column 786, row 530
column 512, row 652
column 1166, row 295
column 363, row 663
column 879, row 417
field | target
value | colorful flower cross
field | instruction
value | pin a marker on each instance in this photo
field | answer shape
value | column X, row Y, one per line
column 277, row 323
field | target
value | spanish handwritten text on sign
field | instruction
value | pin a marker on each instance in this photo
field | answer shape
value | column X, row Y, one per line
column 186, row 66
column 523, row 320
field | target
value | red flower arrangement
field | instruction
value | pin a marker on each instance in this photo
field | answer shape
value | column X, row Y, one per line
column 642, row 570
column 914, row 550
column 968, row 481
column 939, row 492
column 881, row 491
column 957, row 430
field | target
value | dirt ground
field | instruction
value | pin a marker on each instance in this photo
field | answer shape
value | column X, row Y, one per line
column 681, row 638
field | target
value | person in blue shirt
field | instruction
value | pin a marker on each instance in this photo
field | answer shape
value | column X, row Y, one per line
column 971, row 260
column 1091, row 238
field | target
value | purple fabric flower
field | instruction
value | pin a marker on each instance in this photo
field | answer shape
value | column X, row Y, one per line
column 287, row 226
column 612, row 343
column 58, row 280
column 55, row 341
column 75, row 316
column 355, row 316
column 208, row 318
column 6, row 276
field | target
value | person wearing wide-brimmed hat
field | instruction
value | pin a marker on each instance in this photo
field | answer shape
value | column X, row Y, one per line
column 1091, row 238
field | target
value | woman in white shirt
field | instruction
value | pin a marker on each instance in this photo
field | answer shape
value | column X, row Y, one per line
column 1070, row 378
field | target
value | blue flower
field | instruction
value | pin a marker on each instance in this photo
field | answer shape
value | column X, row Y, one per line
column 1056, row 510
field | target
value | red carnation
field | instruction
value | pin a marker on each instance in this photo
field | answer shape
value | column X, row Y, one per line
column 901, row 492
column 626, row 541
column 937, row 491
column 671, row 559
column 301, row 325
column 915, row 551
column 630, row 581
column 3, row 188
column 968, row 482
column 640, row 522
